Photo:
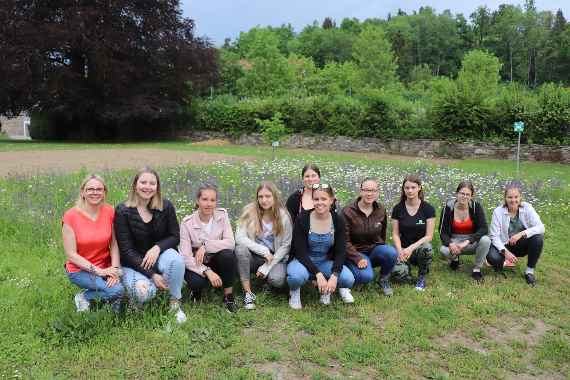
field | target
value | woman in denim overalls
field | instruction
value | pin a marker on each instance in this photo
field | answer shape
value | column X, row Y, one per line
column 320, row 250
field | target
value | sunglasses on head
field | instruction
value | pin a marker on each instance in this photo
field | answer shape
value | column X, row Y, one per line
column 317, row 186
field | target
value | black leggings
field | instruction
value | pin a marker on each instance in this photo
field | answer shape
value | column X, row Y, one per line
column 223, row 263
column 531, row 247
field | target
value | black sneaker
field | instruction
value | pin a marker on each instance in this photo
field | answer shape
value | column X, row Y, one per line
column 477, row 276
column 454, row 264
column 230, row 303
column 195, row 296
column 530, row 279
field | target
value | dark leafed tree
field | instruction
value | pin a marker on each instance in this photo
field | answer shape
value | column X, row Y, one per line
column 328, row 23
column 100, row 68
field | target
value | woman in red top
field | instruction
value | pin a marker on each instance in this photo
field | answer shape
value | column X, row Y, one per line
column 90, row 246
column 463, row 229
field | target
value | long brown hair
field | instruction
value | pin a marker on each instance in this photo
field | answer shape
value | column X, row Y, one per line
column 252, row 213
column 414, row 179
column 156, row 203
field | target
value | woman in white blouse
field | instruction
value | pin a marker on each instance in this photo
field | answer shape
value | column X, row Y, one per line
column 516, row 231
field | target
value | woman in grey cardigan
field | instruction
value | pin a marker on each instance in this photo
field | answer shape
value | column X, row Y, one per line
column 263, row 241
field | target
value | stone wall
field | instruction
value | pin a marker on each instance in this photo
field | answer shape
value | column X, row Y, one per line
column 416, row 148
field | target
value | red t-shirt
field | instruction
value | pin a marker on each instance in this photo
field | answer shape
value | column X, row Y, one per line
column 93, row 238
column 465, row 227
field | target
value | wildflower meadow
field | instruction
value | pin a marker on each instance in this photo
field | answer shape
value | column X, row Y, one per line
column 455, row 329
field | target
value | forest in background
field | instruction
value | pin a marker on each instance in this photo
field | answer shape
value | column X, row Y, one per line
column 424, row 74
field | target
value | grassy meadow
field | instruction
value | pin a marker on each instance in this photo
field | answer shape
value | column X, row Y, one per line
column 456, row 329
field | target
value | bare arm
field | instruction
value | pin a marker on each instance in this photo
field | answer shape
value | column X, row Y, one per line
column 396, row 235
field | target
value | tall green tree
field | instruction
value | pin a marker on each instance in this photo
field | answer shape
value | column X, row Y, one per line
column 375, row 58
column 507, row 41
column 323, row 45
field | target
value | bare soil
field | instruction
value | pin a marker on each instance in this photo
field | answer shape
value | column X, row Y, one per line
column 66, row 161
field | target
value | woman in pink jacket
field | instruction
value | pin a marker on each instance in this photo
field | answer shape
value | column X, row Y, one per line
column 207, row 244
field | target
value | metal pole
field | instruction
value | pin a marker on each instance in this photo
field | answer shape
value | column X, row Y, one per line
column 518, row 155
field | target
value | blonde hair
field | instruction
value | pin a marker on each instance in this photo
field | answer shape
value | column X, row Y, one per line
column 156, row 203
column 80, row 202
column 253, row 214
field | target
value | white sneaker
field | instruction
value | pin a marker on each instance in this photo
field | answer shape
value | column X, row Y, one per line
column 346, row 295
column 81, row 303
column 295, row 299
column 325, row 299
column 178, row 312
column 249, row 301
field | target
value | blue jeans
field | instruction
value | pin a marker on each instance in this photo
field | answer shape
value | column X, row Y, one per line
column 297, row 274
column 383, row 256
column 95, row 286
column 170, row 266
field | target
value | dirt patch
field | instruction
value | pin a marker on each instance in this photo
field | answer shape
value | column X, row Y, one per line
column 66, row 161
column 278, row 371
column 213, row 142
column 517, row 332
column 529, row 332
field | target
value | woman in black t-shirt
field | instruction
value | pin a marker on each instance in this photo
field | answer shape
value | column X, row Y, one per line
column 413, row 224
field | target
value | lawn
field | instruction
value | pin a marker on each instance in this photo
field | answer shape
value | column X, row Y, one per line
column 455, row 329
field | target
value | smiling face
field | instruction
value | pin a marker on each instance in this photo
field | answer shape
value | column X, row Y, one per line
column 369, row 192
column 310, row 177
column 464, row 195
column 322, row 201
column 265, row 199
column 207, row 202
column 146, row 186
column 513, row 198
column 411, row 190
column 93, row 192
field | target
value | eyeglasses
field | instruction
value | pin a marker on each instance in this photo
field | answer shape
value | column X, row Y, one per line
column 369, row 191
column 466, row 195
column 95, row 190
column 316, row 186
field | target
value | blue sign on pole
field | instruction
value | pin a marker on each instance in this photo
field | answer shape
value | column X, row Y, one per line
column 518, row 126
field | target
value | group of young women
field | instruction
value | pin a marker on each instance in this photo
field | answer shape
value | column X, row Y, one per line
column 139, row 247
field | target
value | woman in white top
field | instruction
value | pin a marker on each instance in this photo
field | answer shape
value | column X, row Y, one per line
column 263, row 240
column 516, row 231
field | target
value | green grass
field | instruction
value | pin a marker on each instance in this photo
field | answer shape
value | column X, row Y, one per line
column 455, row 329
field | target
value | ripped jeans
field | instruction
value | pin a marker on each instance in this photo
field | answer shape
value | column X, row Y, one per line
column 170, row 266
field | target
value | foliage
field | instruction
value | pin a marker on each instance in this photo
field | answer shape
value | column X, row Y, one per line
column 272, row 130
column 100, row 69
column 374, row 58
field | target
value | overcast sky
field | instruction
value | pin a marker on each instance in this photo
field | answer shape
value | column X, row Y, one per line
column 218, row 19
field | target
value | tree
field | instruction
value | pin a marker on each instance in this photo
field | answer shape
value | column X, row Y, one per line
column 481, row 20
column 374, row 57
column 323, row 45
column 329, row 23
column 479, row 74
column 268, row 73
column 100, row 67
column 507, row 27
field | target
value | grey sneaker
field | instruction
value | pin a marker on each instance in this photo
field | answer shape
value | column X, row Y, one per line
column 81, row 303
column 325, row 299
column 249, row 301
column 384, row 283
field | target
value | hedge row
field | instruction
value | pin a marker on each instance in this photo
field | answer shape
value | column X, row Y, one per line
column 383, row 115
